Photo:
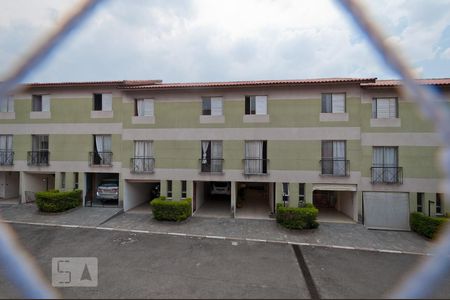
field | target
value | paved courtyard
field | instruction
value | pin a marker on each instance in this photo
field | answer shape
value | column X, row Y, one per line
column 335, row 234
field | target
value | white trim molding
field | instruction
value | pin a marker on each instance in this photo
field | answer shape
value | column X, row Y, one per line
column 7, row 115
column 395, row 122
column 100, row 114
column 40, row 115
column 211, row 119
column 143, row 120
column 256, row 119
column 333, row 117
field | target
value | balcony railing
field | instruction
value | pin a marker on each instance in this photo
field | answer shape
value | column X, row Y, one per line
column 142, row 164
column 255, row 166
column 6, row 158
column 386, row 174
column 212, row 165
column 100, row 159
column 335, row 167
column 38, row 158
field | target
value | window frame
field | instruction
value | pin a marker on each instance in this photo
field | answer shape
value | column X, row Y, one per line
column 375, row 108
column 285, row 191
column 207, row 105
column 183, row 189
column 324, row 105
column 63, row 180
column 9, row 103
column 419, row 199
column 301, row 194
column 151, row 103
column 438, row 205
column 251, row 107
column 169, row 189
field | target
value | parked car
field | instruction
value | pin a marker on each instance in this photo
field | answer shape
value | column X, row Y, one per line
column 108, row 190
column 220, row 188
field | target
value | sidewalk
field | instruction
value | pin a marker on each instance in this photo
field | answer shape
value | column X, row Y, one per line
column 82, row 216
column 328, row 234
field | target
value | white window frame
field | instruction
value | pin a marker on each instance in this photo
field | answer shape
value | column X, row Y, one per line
column 257, row 105
column 145, row 108
column 390, row 106
column 7, row 103
column 336, row 105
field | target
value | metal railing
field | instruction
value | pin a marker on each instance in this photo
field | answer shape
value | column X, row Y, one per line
column 142, row 164
column 38, row 158
column 6, row 158
column 335, row 167
column 256, row 166
column 100, row 159
column 211, row 165
column 386, row 175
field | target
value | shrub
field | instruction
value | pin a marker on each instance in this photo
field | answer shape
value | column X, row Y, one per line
column 297, row 217
column 170, row 210
column 55, row 201
column 426, row 226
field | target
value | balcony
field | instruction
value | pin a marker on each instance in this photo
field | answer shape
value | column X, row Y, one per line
column 387, row 175
column 255, row 166
column 38, row 158
column 335, row 167
column 214, row 165
column 142, row 164
column 6, row 158
column 102, row 159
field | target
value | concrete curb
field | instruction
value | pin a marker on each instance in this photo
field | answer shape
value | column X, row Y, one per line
column 239, row 239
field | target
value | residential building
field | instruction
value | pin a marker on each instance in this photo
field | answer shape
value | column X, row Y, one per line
column 350, row 145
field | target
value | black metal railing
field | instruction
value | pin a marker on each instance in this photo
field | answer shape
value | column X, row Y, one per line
column 256, row 166
column 38, row 158
column 211, row 165
column 100, row 158
column 335, row 167
column 386, row 174
column 142, row 164
column 6, row 158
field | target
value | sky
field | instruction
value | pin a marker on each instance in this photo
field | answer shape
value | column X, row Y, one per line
column 211, row 40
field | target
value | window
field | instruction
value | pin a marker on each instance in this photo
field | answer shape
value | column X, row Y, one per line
column 143, row 157
column 255, row 157
column 438, row 204
column 333, row 103
column 385, row 108
column 285, row 192
column 75, row 180
column 419, row 202
column 39, row 154
column 334, row 158
column 211, row 156
column 63, row 180
column 7, row 104
column 144, row 107
column 301, row 194
column 6, row 154
column 41, row 103
column 102, row 154
column 256, row 105
column 385, row 165
column 103, row 102
column 183, row 189
column 169, row 188
column 212, row 106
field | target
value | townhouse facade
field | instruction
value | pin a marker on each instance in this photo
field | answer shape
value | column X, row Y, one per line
column 352, row 146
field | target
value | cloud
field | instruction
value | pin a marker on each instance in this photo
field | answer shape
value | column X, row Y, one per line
column 204, row 40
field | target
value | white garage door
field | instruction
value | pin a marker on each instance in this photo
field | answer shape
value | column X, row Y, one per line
column 386, row 210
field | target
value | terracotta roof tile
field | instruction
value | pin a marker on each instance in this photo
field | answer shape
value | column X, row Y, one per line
column 116, row 83
column 392, row 83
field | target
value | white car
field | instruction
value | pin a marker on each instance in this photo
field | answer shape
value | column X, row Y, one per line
column 220, row 188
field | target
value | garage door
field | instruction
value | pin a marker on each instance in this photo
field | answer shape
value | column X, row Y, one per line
column 386, row 210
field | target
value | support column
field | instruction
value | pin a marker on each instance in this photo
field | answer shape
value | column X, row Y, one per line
column 82, row 185
column 233, row 199
column 22, row 186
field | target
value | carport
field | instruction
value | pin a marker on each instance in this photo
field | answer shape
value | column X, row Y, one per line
column 255, row 200
column 139, row 193
column 336, row 203
column 93, row 180
column 9, row 186
column 211, row 202
column 34, row 182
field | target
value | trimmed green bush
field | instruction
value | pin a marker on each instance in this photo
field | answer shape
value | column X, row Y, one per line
column 297, row 217
column 426, row 226
column 170, row 210
column 55, row 201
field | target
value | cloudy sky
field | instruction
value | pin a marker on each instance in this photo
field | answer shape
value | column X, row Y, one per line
column 207, row 40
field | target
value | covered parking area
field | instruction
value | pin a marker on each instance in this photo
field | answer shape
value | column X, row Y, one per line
column 336, row 203
column 212, row 199
column 9, row 186
column 33, row 182
column 139, row 193
column 93, row 181
column 255, row 200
